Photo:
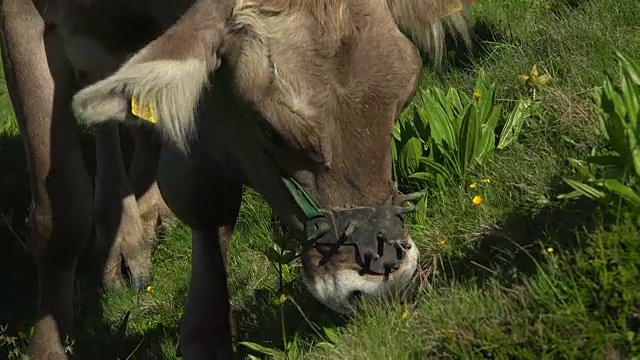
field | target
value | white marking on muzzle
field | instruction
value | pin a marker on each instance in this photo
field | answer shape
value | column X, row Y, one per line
column 334, row 290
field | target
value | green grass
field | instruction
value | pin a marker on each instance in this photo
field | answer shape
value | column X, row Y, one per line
column 489, row 286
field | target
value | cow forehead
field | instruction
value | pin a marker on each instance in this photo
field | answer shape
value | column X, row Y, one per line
column 319, row 70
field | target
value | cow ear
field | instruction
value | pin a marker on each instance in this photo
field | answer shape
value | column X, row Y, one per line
column 163, row 82
column 163, row 92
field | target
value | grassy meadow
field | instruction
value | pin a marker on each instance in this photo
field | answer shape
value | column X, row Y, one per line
column 508, row 269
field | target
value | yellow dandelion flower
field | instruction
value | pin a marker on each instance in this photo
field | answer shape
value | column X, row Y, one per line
column 485, row 181
column 477, row 200
column 22, row 335
column 549, row 249
column 441, row 242
column 405, row 314
column 473, row 186
column 476, row 95
column 149, row 288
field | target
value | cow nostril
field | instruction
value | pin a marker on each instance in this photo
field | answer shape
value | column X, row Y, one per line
column 355, row 296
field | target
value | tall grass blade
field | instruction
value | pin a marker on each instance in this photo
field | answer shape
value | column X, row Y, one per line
column 623, row 191
column 586, row 190
column 514, row 123
column 469, row 138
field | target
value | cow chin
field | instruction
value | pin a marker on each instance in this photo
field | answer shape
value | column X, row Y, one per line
column 338, row 284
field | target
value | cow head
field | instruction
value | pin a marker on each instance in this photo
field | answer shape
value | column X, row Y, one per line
column 302, row 100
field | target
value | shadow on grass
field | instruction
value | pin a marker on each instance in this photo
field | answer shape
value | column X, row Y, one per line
column 564, row 5
column 483, row 33
column 17, row 268
column 521, row 243
column 151, row 345
column 260, row 321
column 459, row 57
column 96, row 339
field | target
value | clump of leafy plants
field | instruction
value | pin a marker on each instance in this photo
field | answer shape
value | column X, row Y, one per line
column 612, row 174
column 453, row 132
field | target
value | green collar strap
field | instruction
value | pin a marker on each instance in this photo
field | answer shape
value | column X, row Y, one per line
column 305, row 202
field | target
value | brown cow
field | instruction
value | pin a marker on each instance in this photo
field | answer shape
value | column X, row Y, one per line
column 294, row 98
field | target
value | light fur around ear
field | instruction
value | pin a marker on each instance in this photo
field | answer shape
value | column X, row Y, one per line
column 168, row 76
column 425, row 21
column 171, row 88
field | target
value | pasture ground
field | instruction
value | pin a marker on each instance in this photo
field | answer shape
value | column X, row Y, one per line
column 520, row 276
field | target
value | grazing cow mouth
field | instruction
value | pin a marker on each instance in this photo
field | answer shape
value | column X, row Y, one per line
column 376, row 232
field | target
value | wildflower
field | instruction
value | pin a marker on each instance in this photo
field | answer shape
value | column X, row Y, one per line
column 477, row 200
column 441, row 242
column 485, row 181
column 22, row 335
column 405, row 314
column 476, row 94
column 452, row 53
column 534, row 79
column 549, row 249
column 149, row 288
column 473, row 186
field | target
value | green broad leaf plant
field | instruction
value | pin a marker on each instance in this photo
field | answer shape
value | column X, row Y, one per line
column 451, row 133
column 612, row 174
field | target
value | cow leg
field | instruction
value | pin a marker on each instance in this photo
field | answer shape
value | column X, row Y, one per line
column 206, row 329
column 39, row 84
column 142, row 175
column 119, row 231
column 210, row 205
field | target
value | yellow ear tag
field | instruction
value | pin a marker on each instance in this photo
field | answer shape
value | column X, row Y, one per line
column 144, row 112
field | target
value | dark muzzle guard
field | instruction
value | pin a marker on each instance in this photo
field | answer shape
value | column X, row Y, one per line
column 376, row 232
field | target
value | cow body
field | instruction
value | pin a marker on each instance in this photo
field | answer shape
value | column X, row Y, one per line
column 243, row 92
